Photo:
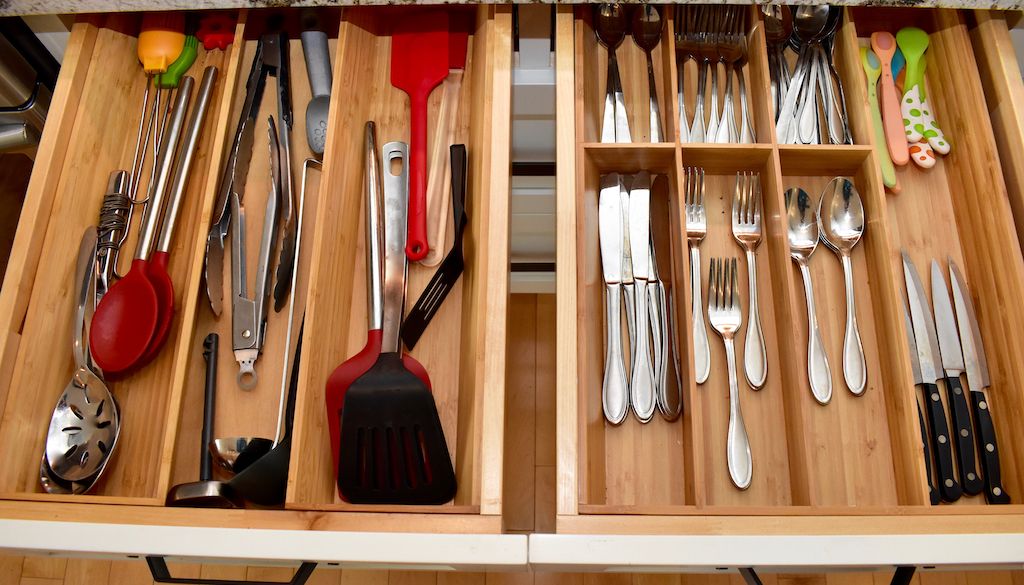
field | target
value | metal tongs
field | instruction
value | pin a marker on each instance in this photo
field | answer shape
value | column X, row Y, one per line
column 249, row 314
column 271, row 59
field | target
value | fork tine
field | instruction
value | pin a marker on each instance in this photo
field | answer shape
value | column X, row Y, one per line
column 701, row 185
column 757, row 199
column 748, row 197
column 733, row 301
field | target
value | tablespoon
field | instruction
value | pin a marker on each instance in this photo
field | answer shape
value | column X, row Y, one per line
column 610, row 24
column 811, row 25
column 778, row 29
column 809, row 21
column 841, row 221
column 803, row 240
column 647, row 28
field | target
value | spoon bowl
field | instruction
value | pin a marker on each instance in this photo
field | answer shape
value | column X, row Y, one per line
column 648, row 25
column 610, row 24
column 778, row 23
column 802, row 224
column 810, row 23
column 235, row 454
column 841, row 214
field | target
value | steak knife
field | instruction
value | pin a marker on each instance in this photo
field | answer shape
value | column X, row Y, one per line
column 978, row 380
column 915, row 367
column 614, row 397
column 953, row 365
column 928, row 356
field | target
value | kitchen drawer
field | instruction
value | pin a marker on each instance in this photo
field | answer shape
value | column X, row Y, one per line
column 855, row 466
column 91, row 132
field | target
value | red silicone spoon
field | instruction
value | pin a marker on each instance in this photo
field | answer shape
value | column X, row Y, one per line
column 157, row 268
column 419, row 62
column 126, row 318
column 359, row 364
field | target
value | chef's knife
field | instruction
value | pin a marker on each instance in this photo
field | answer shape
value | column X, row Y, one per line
column 978, row 380
column 915, row 367
column 614, row 398
column 953, row 365
column 928, row 356
column 641, row 380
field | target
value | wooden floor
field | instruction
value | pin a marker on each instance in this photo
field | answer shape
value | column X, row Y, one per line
column 529, row 502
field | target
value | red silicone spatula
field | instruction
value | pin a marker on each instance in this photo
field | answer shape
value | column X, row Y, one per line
column 359, row 364
column 419, row 62
column 126, row 319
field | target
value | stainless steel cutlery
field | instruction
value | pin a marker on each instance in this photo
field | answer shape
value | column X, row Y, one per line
column 642, row 379
column 746, row 229
column 614, row 390
column 696, row 229
column 610, row 23
column 726, row 318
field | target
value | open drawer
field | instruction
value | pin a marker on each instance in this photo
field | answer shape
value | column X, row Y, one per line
column 855, row 465
column 91, row 132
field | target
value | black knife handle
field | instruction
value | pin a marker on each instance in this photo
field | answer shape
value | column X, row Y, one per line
column 457, row 152
column 994, row 492
column 933, row 494
column 949, row 489
column 970, row 481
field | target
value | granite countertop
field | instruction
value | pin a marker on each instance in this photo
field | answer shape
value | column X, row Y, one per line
column 24, row 7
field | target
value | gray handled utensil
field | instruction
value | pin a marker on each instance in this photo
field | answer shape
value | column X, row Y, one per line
column 318, row 67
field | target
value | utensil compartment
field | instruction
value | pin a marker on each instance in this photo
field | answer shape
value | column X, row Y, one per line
column 463, row 347
column 91, row 134
column 858, row 455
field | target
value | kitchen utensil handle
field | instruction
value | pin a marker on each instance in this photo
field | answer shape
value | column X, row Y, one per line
column 970, row 481
column 949, row 489
column 994, row 492
column 785, row 124
column 854, row 367
column 417, row 246
column 396, row 198
column 158, row 190
column 933, row 494
column 747, row 135
column 675, row 407
column 439, row 173
column 608, row 113
column 641, row 381
column 210, row 346
column 807, row 113
column 629, row 299
column 656, row 133
column 892, row 120
column 171, row 78
column 755, row 356
column 712, row 129
column 460, row 163
column 701, row 348
column 622, row 134
column 819, row 375
column 684, row 124
column 834, row 115
column 614, row 390
column 741, row 464
column 85, row 276
column 318, row 62
column 374, row 232
column 657, row 311
column 698, row 131
column 888, row 170
column 185, row 158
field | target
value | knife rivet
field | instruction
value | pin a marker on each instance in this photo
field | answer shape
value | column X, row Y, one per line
column 983, row 405
column 957, row 391
column 964, row 433
column 990, row 447
column 935, row 396
column 246, row 334
column 949, row 483
column 971, row 476
column 942, row 439
column 997, row 491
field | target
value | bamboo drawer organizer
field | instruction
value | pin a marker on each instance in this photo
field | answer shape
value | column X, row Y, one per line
column 92, row 121
column 853, row 466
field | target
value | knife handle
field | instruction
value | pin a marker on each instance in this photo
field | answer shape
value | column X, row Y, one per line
column 960, row 413
column 933, row 494
column 949, row 489
column 994, row 492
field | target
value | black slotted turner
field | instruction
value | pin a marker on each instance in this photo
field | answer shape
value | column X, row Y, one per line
column 393, row 449
column 451, row 267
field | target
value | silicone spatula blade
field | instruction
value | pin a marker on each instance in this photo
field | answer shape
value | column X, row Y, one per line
column 419, row 62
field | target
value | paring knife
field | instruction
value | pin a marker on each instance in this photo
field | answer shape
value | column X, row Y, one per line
column 978, row 380
column 928, row 357
column 915, row 367
column 614, row 398
column 641, row 380
column 953, row 364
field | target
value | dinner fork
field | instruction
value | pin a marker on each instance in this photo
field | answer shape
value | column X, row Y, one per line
column 685, row 50
column 696, row 229
column 746, row 229
column 726, row 317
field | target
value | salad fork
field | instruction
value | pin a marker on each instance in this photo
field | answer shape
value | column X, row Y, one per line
column 696, row 229
column 726, row 318
column 746, row 229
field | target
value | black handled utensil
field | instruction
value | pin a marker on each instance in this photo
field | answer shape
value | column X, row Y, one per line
column 978, row 379
column 933, row 494
column 451, row 267
column 926, row 352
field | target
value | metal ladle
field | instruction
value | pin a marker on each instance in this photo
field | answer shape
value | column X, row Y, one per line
column 647, row 30
column 86, row 421
column 841, row 220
